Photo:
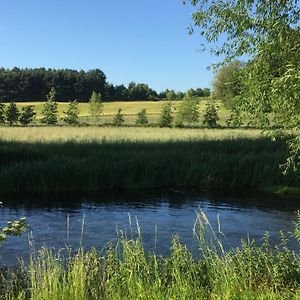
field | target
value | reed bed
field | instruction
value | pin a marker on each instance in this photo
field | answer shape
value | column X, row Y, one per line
column 125, row 271
column 72, row 159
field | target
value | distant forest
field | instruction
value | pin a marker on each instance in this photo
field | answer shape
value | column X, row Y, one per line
column 34, row 84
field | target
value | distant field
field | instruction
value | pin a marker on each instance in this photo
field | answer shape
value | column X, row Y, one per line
column 129, row 109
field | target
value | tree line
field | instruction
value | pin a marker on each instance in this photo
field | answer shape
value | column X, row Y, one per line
column 34, row 84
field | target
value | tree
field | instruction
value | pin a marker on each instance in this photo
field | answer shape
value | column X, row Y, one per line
column 49, row 111
column 188, row 110
column 27, row 115
column 96, row 107
column 142, row 118
column 71, row 115
column 226, row 83
column 2, row 113
column 12, row 113
column 166, row 117
column 211, row 115
column 269, row 33
column 118, row 118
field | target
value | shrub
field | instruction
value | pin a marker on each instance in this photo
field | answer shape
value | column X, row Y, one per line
column 96, row 107
column 166, row 117
column 142, row 118
column 27, row 115
column 118, row 118
column 12, row 113
column 188, row 110
column 211, row 115
column 2, row 113
column 49, row 111
column 71, row 115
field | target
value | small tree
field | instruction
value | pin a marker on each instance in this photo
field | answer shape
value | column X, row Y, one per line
column 118, row 118
column 188, row 110
column 12, row 113
column 211, row 115
column 166, row 117
column 235, row 119
column 96, row 107
column 2, row 113
column 27, row 115
column 71, row 115
column 49, row 111
column 142, row 118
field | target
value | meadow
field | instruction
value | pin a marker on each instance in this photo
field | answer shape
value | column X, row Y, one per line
column 39, row 159
column 124, row 270
column 129, row 109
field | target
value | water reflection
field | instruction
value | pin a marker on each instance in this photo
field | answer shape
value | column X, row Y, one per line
column 57, row 219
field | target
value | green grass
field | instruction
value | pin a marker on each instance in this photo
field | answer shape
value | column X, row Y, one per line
column 95, row 159
column 126, row 271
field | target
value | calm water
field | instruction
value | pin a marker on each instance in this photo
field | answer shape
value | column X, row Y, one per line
column 58, row 219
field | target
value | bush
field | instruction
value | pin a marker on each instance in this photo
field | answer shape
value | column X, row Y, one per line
column 96, row 107
column 166, row 117
column 27, row 115
column 71, row 115
column 188, row 110
column 2, row 113
column 142, row 118
column 235, row 119
column 118, row 118
column 211, row 115
column 49, row 111
column 12, row 113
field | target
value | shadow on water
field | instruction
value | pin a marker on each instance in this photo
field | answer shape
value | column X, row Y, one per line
column 145, row 198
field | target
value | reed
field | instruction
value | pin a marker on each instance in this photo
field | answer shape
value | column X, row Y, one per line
column 126, row 271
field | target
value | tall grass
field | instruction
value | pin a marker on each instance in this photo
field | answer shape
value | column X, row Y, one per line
column 126, row 271
column 239, row 163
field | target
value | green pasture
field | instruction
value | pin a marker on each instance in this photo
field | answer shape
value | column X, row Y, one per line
column 129, row 109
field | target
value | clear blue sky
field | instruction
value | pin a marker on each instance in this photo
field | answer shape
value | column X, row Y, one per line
column 135, row 40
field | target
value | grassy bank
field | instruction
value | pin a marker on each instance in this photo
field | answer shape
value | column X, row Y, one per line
column 77, row 159
column 125, row 271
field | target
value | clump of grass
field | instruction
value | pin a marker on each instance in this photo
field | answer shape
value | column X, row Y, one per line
column 127, row 272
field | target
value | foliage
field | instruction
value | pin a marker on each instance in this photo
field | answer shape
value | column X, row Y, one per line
column 188, row 110
column 268, row 32
column 131, row 158
column 166, row 116
column 14, row 228
column 49, row 111
column 2, row 113
column 142, row 117
column 118, row 118
column 211, row 115
column 27, row 115
column 96, row 107
column 12, row 113
column 235, row 119
column 226, row 83
column 127, row 271
column 71, row 115
column 33, row 84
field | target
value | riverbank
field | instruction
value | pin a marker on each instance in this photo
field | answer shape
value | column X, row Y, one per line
column 94, row 159
column 124, row 270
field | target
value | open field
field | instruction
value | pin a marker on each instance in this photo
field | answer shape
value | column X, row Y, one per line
column 129, row 109
column 117, row 134
column 99, row 158
column 125, row 271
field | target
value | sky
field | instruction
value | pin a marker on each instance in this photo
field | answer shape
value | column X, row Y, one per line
column 145, row 41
